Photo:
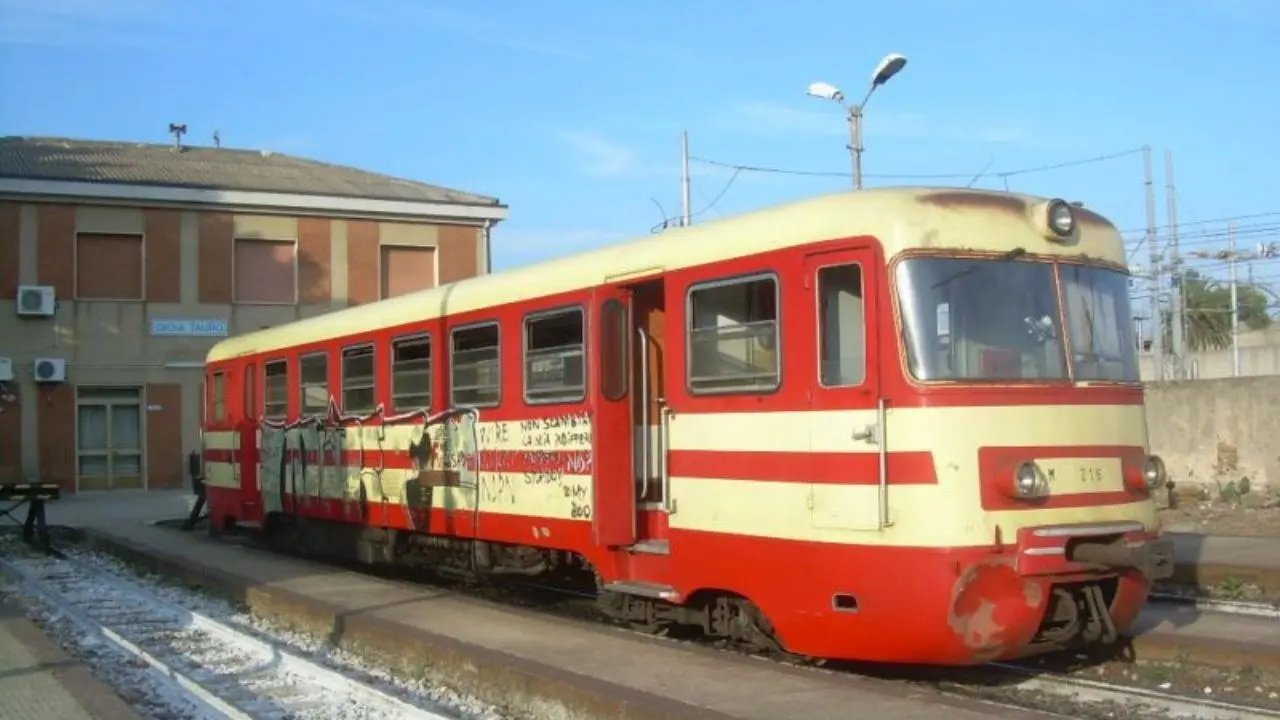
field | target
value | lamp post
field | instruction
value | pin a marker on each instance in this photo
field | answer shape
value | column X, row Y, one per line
column 888, row 67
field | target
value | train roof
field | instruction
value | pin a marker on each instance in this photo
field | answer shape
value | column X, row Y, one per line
column 902, row 218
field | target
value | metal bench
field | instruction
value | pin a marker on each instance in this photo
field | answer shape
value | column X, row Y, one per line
column 34, row 496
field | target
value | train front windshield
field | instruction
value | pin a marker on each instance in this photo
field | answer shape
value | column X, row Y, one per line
column 999, row 320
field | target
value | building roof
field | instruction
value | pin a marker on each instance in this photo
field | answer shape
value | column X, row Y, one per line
column 208, row 168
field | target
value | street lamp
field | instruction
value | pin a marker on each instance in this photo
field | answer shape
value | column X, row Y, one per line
column 888, row 67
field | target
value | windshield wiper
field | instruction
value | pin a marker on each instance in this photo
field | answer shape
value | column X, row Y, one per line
column 975, row 265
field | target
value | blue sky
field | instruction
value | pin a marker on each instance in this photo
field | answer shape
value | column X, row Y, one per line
column 571, row 111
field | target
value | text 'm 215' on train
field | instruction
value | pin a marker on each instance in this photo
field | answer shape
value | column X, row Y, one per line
column 900, row 425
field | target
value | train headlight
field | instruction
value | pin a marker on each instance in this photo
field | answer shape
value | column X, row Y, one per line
column 1060, row 218
column 1153, row 471
column 1028, row 481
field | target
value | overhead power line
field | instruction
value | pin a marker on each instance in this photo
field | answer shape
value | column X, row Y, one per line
column 925, row 176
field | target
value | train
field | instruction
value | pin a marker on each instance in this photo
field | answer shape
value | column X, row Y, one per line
column 893, row 425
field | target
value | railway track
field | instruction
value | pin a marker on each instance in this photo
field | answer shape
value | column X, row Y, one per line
column 205, row 668
column 1009, row 684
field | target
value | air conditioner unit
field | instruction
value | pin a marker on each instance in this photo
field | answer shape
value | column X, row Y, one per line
column 6, row 369
column 38, row 300
column 49, row 370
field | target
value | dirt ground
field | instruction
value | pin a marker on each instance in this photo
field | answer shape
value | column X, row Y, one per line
column 1224, row 510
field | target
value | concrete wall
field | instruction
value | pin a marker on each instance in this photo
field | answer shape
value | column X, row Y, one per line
column 187, row 271
column 1217, row 429
column 1254, row 362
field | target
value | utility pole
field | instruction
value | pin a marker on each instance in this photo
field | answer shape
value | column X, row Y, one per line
column 855, row 144
column 685, row 218
column 1232, row 256
column 1157, row 320
column 1176, row 298
column 1235, row 302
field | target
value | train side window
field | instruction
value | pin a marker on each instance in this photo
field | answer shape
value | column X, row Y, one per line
column 733, row 335
column 411, row 374
column 275, row 390
column 218, row 398
column 313, row 383
column 554, row 353
column 359, row 383
column 475, row 373
column 842, row 336
column 613, row 350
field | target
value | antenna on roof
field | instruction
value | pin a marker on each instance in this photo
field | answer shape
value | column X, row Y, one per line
column 217, row 138
column 177, row 131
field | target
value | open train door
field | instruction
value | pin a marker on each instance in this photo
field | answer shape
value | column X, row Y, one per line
column 613, row 495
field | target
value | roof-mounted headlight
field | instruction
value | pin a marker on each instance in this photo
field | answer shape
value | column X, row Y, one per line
column 1060, row 218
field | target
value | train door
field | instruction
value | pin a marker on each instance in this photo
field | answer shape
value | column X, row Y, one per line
column 649, row 407
column 613, row 501
column 247, row 432
column 848, row 468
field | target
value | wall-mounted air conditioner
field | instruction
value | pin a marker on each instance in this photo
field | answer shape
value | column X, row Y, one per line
column 6, row 369
column 49, row 370
column 36, row 300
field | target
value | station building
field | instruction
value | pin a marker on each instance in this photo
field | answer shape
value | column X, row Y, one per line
column 122, row 263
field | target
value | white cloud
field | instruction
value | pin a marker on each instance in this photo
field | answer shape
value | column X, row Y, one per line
column 598, row 156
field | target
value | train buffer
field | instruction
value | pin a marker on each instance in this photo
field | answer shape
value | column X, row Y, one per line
column 34, row 495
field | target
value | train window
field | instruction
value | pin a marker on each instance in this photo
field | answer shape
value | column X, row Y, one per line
column 733, row 336
column 842, row 350
column 475, row 378
column 358, row 379
column 554, row 350
column 313, row 383
column 218, row 398
column 411, row 374
column 275, row 390
column 613, row 350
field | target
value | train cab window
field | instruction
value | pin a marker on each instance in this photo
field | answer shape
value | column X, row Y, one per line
column 275, row 390
column 218, row 398
column 476, row 378
column 411, row 374
column 554, row 371
column 842, row 350
column 358, row 380
column 733, row 336
column 313, row 383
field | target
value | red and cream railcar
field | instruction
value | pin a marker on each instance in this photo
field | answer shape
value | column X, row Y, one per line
column 898, row 424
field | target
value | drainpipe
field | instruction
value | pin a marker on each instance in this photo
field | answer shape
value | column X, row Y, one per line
column 488, row 248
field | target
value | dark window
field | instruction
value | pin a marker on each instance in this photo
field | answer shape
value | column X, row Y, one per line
column 553, row 357
column 275, row 390
column 314, row 384
column 476, row 379
column 841, row 326
column 411, row 374
column 733, row 336
column 613, row 350
column 358, row 381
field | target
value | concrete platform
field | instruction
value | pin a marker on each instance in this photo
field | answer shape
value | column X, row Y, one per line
column 38, row 680
column 1207, row 560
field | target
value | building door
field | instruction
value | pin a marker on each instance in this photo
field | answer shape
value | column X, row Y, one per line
column 109, row 439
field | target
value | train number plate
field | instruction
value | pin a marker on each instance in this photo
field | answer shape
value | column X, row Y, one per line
column 1083, row 475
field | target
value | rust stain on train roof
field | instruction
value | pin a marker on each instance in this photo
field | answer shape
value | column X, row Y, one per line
column 975, row 200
